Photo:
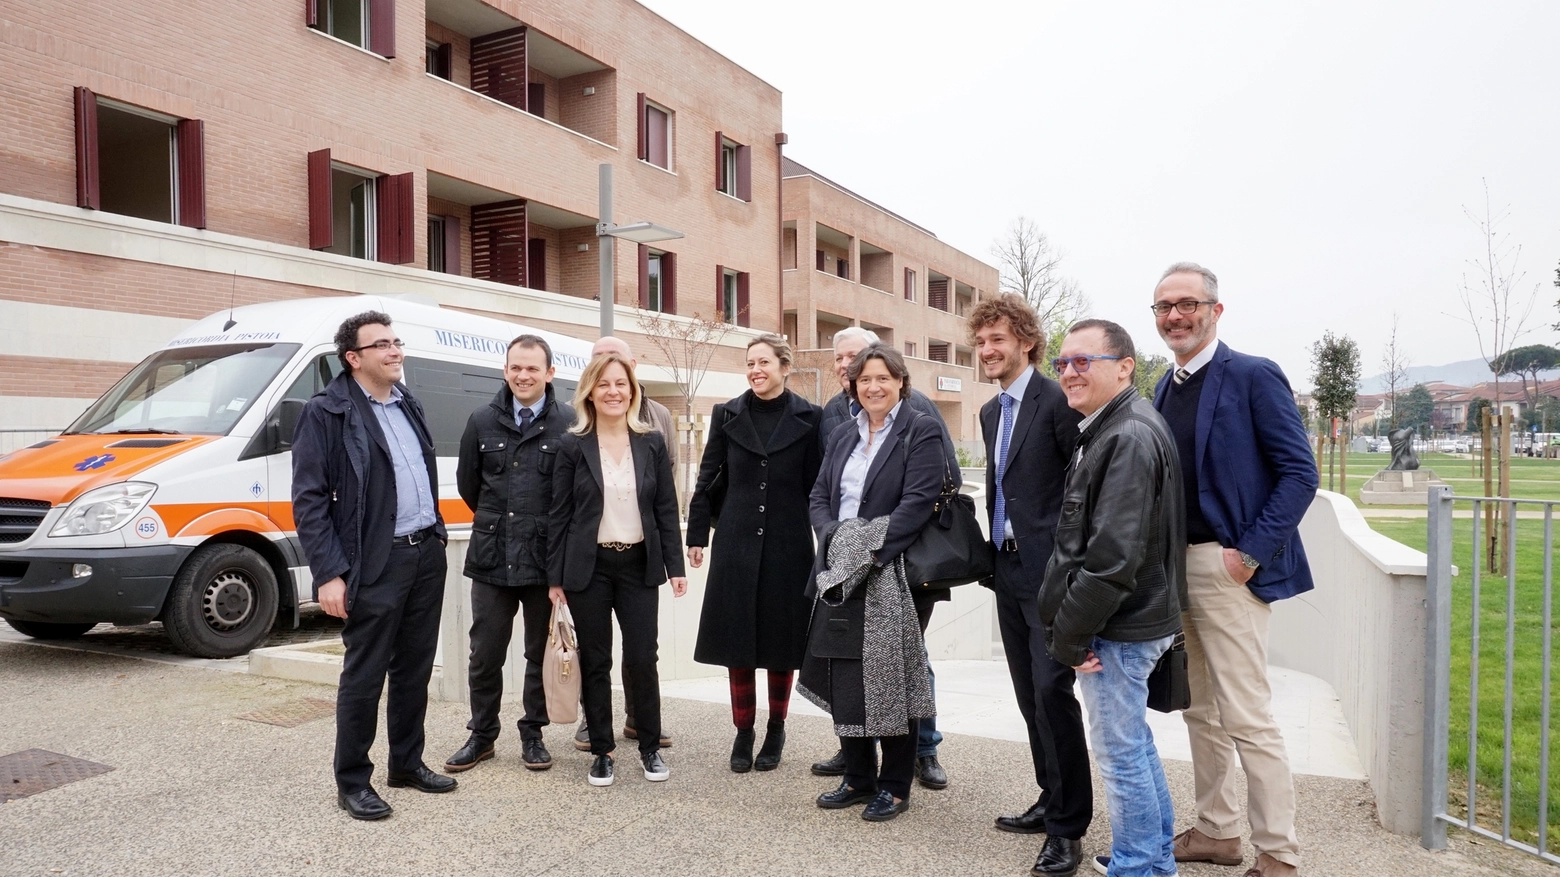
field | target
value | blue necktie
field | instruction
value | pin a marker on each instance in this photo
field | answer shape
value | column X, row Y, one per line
column 525, row 418
column 999, row 515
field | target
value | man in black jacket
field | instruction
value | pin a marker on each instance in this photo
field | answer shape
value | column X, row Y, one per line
column 505, row 476
column 1116, row 582
column 366, row 505
column 1030, row 432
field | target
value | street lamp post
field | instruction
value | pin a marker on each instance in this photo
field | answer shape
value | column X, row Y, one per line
column 606, row 231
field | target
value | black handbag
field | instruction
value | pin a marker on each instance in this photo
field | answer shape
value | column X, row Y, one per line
column 1169, row 689
column 715, row 492
column 950, row 550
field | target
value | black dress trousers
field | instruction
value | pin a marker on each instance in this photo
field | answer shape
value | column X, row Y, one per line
column 493, row 609
column 618, row 585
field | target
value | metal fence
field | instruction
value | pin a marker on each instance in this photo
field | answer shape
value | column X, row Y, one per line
column 12, row 439
column 1508, row 673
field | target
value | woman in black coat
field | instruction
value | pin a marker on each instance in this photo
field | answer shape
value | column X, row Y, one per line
column 759, row 465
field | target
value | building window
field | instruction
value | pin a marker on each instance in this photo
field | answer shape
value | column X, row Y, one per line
column 910, row 348
column 909, row 284
column 369, row 24
column 731, row 295
column 138, row 162
column 822, row 260
column 733, row 168
column 657, row 280
column 356, row 213
column 937, row 351
column 435, row 241
column 842, row 268
column 655, row 133
column 438, row 60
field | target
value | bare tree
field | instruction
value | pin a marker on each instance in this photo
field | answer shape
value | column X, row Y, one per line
column 1031, row 267
column 1496, row 308
column 1394, row 362
column 687, row 344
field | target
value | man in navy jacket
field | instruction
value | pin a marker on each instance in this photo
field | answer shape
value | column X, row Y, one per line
column 1249, row 478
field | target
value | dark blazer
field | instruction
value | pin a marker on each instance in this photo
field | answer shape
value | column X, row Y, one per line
column 838, row 410
column 903, row 482
column 1255, row 473
column 755, row 610
column 343, row 486
column 1045, row 431
column 576, row 510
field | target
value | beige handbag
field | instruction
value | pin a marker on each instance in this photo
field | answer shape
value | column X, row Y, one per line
column 561, row 668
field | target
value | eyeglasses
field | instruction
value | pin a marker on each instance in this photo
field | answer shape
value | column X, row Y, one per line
column 1181, row 307
column 1080, row 363
column 381, row 344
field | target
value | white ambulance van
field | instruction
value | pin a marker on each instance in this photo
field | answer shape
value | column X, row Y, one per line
column 170, row 498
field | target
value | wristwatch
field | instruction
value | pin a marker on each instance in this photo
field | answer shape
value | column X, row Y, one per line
column 1248, row 561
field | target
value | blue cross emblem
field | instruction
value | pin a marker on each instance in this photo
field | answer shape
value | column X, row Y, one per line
column 97, row 461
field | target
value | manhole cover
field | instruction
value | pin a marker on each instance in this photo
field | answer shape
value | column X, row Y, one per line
column 37, row 770
column 293, row 713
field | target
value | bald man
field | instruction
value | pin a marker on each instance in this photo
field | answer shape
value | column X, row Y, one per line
column 656, row 416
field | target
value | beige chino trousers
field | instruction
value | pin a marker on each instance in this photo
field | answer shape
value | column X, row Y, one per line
column 1232, row 710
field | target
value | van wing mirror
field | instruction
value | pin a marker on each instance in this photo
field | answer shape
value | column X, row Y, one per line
column 285, row 422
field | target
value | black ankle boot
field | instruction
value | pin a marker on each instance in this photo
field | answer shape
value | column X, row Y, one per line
column 742, row 751
column 774, row 743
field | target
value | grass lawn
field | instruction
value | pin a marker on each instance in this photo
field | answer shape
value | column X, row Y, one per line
column 1535, row 479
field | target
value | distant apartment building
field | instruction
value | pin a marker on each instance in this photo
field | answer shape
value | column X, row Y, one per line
column 161, row 161
column 848, row 261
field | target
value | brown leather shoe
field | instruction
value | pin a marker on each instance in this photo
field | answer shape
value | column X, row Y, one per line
column 1192, row 845
column 1267, row 866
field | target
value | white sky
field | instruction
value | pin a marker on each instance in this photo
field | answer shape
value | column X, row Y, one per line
column 1317, row 155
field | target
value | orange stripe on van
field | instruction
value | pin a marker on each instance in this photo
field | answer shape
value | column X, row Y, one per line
column 206, row 519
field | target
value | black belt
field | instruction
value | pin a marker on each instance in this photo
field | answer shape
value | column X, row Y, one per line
column 414, row 538
column 1009, row 545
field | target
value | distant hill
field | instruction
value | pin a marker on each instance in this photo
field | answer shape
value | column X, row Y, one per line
column 1464, row 374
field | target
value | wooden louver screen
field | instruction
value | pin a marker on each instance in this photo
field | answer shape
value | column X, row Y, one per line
column 88, row 193
column 909, row 284
column 937, row 294
column 192, row 173
column 499, row 236
column 321, row 231
column 742, row 316
column 937, row 351
column 499, row 67
column 397, row 240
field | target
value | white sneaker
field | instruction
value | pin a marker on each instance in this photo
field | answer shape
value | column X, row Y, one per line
column 655, row 767
column 1101, row 864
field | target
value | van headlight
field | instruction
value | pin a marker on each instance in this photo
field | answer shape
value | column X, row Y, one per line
column 104, row 510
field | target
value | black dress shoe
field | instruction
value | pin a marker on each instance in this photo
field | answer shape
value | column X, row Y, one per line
column 742, row 751
column 834, row 767
column 475, row 750
column 845, row 796
column 534, row 755
column 774, row 745
column 1059, row 857
column 366, row 805
column 1031, row 821
column 422, row 779
column 883, row 807
column 930, row 772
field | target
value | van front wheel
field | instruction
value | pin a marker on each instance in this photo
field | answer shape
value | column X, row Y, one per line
column 223, row 602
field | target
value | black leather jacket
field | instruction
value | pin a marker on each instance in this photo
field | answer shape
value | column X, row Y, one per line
column 1118, row 570
column 505, row 477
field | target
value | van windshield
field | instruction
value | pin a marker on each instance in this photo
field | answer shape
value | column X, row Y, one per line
column 198, row 390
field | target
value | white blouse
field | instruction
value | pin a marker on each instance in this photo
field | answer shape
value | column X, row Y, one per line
column 620, row 521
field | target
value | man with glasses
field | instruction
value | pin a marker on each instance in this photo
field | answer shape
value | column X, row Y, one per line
column 1249, row 478
column 365, row 502
column 1115, row 584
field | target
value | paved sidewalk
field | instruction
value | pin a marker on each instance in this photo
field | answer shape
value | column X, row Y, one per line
column 196, row 790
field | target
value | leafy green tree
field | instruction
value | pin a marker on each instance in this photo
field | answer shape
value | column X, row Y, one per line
column 1150, row 368
column 1476, row 408
column 1526, row 362
column 1335, row 370
column 1417, row 409
column 1305, row 415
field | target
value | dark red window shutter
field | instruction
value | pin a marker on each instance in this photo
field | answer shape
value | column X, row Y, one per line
column 745, row 173
column 192, row 173
column 311, row 12
column 499, row 232
column 381, row 27
column 669, row 283
column 387, row 200
column 821, row 258
column 88, row 193
column 909, row 285
column 536, row 98
column 720, row 293
column 937, row 294
column 720, row 162
column 320, row 208
column 744, row 316
column 644, row 139
column 644, row 276
column 657, row 145
column 536, row 263
column 405, row 214
column 499, row 67
column 451, row 244
column 444, row 61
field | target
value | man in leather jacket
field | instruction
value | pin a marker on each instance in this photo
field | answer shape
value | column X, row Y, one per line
column 504, row 474
column 1116, row 582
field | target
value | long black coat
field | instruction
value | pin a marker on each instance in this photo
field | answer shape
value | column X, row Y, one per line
column 755, row 612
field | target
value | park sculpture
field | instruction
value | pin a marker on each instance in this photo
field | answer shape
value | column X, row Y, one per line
column 1403, row 457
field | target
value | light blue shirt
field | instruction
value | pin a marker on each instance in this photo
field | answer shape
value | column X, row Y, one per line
column 414, row 505
column 853, row 480
column 536, row 410
column 1016, row 390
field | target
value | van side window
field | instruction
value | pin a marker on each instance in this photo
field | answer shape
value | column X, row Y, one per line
column 449, row 392
column 314, row 378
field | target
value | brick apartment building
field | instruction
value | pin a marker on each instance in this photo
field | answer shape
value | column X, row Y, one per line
column 163, row 160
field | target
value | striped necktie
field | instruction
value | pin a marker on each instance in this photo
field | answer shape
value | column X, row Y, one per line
column 1181, row 374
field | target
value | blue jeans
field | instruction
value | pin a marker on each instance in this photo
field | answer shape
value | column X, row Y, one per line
column 928, row 736
column 1142, row 823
